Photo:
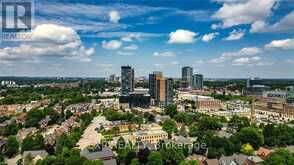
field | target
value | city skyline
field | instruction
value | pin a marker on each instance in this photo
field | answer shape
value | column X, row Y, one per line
column 257, row 40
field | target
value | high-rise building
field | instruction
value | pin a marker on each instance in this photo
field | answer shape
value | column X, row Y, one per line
column 160, row 89
column 127, row 80
column 153, row 83
column 169, row 91
column 253, row 82
column 187, row 73
column 111, row 78
column 197, row 81
column 290, row 94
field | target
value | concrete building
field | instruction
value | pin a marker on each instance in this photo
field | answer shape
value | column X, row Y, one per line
column 153, row 84
column 290, row 94
column 206, row 103
column 288, row 110
column 202, row 102
column 160, row 89
column 169, row 91
column 197, row 81
column 127, row 80
column 187, row 73
column 8, row 83
column 148, row 136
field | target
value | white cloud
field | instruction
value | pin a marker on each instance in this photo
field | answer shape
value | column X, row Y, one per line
column 256, row 58
column 217, row 60
column 123, row 53
column 131, row 47
column 228, row 1
column 247, row 51
column 199, row 62
column 251, row 61
column 286, row 24
column 235, row 35
column 182, row 36
column 114, row 16
column 111, row 45
column 209, row 37
column 282, row 44
column 243, row 53
column 241, row 61
column 48, row 40
column 129, row 36
column 244, row 12
column 257, row 26
column 164, row 54
column 167, row 64
column 290, row 61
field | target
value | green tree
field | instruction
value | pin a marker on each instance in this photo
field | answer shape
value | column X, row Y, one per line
column 193, row 130
column 121, row 143
column 35, row 142
column 250, row 135
column 280, row 157
column 247, row 149
column 155, row 158
column 93, row 162
column 115, row 130
column 11, row 146
column 11, row 129
column 149, row 116
column 183, row 131
column 63, row 142
column 2, row 159
column 171, row 110
column 209, row 123
column 130, row 156
column 68, row 114
column 238, row 123
column 172, row 155
column 169, row 126
column 135, row 161
column 143, row 155
column 278, row 135
column 33, row 117
column 189, row 162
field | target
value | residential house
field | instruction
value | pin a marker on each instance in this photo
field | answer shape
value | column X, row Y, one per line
column 105, row 154
column 235, row 159
column 212, row 162
column 160, row 118
column 31, row 157
column 21, row 118
column 254, row 160
column 200, row 158
column 263, row 152
column 44, row 122
column 24, row 132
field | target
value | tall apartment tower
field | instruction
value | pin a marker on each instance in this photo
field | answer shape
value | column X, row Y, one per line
column 160, row 89
column 169, row 91
column 187, row 73
column 127, row 80
column 153, row 83
column 197, row 81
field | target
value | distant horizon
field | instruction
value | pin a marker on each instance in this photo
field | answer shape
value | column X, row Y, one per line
column 218, row 38
column 205, row 78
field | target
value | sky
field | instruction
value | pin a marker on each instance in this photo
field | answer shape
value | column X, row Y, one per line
column 218, row 38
